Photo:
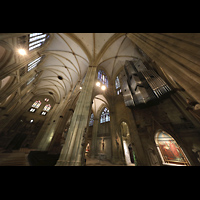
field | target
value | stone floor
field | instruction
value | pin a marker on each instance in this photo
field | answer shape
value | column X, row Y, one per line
column 97, row 162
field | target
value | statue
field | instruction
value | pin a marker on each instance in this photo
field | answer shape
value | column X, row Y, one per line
column 117, row 142
column 102, row 144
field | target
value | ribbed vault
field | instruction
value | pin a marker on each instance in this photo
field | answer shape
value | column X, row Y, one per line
column 68, row 56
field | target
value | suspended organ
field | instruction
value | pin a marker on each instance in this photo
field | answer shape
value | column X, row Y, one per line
column 140, row 85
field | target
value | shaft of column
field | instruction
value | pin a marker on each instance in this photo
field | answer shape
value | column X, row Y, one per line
column 94, row 138
column 72, row 152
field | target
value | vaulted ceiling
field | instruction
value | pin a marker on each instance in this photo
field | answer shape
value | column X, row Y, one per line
column 68, row 56
column 98, row 101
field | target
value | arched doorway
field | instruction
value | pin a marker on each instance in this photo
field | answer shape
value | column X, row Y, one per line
column 170, row 152
column 127, row 146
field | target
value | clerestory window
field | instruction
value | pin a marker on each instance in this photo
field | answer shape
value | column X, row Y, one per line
column 105, row 116
column 37, row 39
column 117, row 85
column 91, row 120
column 35, row 106
column 102, row 77
column 46, row 109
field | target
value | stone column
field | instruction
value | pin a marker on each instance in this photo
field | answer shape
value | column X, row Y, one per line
column 114, row 146
column 94, row 138
column 16, row 113
column 73, row 150
column 120, row 149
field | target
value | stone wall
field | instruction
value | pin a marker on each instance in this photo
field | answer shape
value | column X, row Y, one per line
column 144, row 122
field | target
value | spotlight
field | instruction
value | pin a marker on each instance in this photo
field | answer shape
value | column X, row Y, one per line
column 22, row 52
column 80, row 88
column 103, row 87
column 98, row 84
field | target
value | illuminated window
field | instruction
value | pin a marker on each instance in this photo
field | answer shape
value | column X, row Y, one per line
column 47, row 108
column 91, row 120
column 36, row 104
column 37, row 39
column 102, row 77
column 46, row 100
column 105, row 116
column 117, row 85
column 170, row 152
column 43, row 113
column 34, row 63
column 32, row 110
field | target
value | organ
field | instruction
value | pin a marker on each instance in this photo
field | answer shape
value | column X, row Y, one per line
column 140, row 85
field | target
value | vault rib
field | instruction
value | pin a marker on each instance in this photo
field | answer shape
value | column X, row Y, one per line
column 73, row 54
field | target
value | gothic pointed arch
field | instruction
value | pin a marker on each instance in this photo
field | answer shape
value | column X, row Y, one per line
column 111, row 40
column 98, row 104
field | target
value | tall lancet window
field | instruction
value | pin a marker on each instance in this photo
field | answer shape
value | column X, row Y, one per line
column 35, row 106
column 170, row 152
column 46, row 109
column 117, row 85
column 37, row 39
column 105, row 116
column 91, row 120
column 33, row 63
column 102, row 77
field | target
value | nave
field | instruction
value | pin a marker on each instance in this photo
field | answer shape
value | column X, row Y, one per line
column 132, row 98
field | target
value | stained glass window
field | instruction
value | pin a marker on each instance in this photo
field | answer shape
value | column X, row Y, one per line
column 102, row 77
column 47, row 108
column 91, row 120
column 105, row 116
column 36, row 104
column 170, row 152
column 37, row 39
column 117, row 85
